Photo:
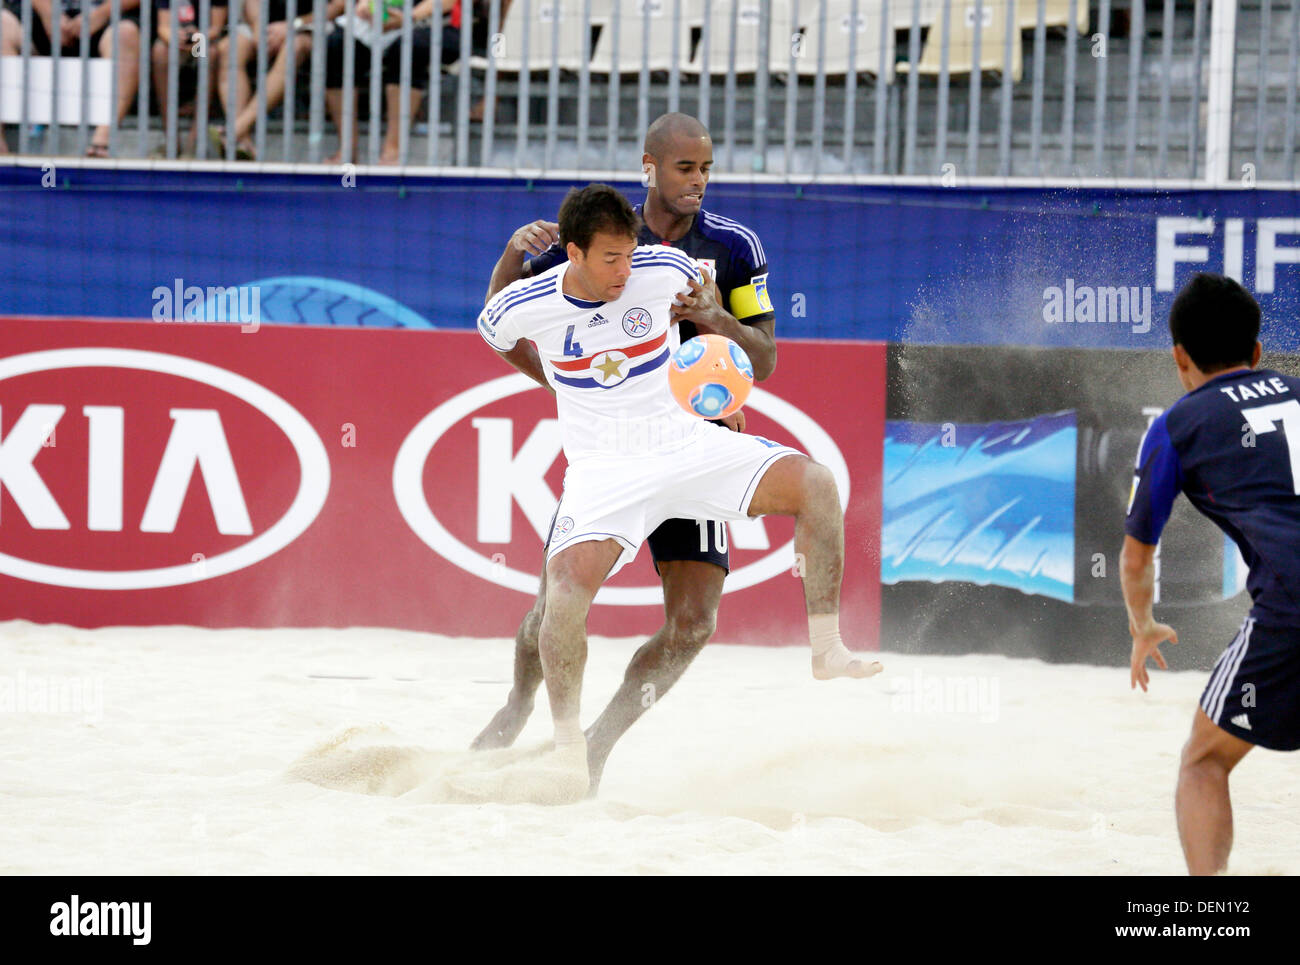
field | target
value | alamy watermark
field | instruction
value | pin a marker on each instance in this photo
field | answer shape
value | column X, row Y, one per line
column 38, row 694
column 924, row 693
column 75, row 917
column 1102, row 305
column 215, row 303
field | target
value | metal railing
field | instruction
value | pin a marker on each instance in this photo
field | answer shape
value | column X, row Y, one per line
column 797, row 88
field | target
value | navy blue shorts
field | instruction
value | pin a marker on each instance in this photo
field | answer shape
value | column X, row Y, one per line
column 682, row 539
column 1254, row 691
column 690, row 539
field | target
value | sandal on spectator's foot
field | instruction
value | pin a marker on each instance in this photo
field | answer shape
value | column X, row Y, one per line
column 217, row 135
column 243, row 149
column 97, row 150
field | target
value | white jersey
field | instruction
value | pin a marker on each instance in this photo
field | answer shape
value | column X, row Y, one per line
column 606, row 360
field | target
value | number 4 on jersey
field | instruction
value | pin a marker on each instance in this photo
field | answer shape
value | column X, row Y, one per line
column 570, row 346
column 1261, row 419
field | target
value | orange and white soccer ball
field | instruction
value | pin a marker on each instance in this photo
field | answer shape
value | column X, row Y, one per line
column 710, row 376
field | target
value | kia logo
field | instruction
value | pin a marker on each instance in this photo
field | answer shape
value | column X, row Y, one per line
column 519, row 478
column 197, row 442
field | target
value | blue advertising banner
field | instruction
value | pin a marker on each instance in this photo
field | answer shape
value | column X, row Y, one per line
column 1005, row 483
column 926, row 265
column 985, row 504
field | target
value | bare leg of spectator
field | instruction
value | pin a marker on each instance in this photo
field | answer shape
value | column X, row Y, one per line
column 247, row 118
column 334, row 104
column 158, row 72
column 245, row 50
column 390, row 153
column 10, row 46
column 479, row 110
column 128, row 77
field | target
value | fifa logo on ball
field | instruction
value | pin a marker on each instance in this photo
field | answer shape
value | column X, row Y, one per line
column 710, row 376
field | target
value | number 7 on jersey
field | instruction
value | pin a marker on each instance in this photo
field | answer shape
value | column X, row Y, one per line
column 1261, row 420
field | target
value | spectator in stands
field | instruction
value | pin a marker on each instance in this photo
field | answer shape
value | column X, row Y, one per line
column 482, row 13
column 421, row 43
column 187, row 30
column 10, row 40
column 68, row 29
column 244, row 111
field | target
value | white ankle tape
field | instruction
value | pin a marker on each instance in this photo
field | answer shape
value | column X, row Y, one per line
column 568, row 732
column 824, row 632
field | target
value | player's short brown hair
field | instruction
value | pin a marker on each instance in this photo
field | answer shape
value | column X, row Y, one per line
column 592, row 209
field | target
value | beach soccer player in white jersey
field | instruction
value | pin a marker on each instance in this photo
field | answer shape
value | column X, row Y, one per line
column 596, row 330
column 690, row 555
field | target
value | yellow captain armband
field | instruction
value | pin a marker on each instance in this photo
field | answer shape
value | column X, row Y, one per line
column 750, row 300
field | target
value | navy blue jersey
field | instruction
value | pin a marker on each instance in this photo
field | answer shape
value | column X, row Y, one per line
column 1233, row 447
column 729, row 251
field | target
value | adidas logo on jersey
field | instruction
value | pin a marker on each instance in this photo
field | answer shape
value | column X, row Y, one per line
column 597, row 319
column 1241, row 721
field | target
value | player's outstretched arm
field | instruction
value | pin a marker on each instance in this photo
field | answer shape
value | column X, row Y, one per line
column 530, row 239
column 1137, row 574
column 524, row 357
column 701, row 306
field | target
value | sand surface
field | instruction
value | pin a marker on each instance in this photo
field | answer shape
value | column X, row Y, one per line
column 183, row 751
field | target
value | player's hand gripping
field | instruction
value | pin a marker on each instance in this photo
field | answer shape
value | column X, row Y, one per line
column 735, row 422
column 1146, row 643
column 700, row 304
column 534, row 238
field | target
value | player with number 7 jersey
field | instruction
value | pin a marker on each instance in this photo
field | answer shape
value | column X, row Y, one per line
column 1232, row 446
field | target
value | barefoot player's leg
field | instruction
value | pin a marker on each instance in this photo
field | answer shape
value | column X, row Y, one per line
column 573, row 575
column 796, row 486
column 502, row 730
column 1202, row 804
column 692, row 592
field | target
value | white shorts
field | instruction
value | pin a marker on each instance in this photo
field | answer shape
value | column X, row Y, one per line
column 626, row 497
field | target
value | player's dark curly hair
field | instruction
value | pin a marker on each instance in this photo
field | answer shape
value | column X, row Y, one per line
column 1216, row 321
column 597, row 207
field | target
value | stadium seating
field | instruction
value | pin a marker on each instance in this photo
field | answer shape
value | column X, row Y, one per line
column 1056, row 13
column 40, row 90
column 839, row 15
column 539, row 15
column 785, row 30
column 961, row 42
column 900, row 12
column 719, row 39
column 639, row 21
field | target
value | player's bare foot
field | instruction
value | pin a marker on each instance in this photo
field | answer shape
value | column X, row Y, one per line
column 502, row 730
column 840, row 661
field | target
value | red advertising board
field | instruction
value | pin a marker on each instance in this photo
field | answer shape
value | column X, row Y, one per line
column 197, row 474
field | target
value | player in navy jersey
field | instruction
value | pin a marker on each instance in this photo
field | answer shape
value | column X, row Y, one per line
column 1232, row 446
column 677, row 162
